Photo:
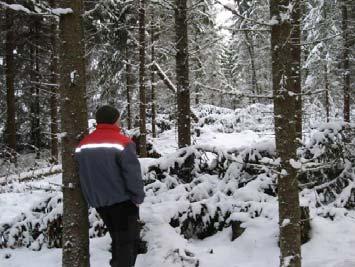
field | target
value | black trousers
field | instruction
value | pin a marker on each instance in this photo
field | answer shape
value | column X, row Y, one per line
column 121, row 220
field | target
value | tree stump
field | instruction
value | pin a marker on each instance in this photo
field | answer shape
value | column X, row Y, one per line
column 305, row 225
column 237, row 229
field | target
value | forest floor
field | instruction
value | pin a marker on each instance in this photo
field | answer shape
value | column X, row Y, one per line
column 332, row 241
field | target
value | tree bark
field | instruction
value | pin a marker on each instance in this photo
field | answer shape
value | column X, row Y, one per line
column 199, row 75
column 36, row 113
column 54, row 92
column 285, row 73
column 326, row 81
column 345, row 59
column 182, row 74
column 250, row 46
column 142, row 92
column 296, row 16
column 34, row 91
column 129, row 86
column 74, row 125
column 10, row 77
column 152, row 77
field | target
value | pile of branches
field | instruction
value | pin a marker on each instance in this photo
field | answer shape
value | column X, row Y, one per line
column 325, row 166
column 225, row 188
column 328, row 165
column 43, row 226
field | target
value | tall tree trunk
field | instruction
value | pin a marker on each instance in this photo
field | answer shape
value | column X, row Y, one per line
column 326, row 81
column 345, row 59
column 54, row 92
column 10, row 77
column 74, row 125
column 36, row 113
column 142, row 92
column 250, row 46
column 129, row 86
column 182, row 74
column 296, row 63
column 35, row 83
column 199, row 75
column 285, row 73
column 199, row 72
column 152, row 77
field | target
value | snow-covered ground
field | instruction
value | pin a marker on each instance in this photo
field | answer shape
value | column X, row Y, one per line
column 331, row 245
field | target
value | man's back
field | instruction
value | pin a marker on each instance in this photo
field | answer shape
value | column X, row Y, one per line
column 109, row 169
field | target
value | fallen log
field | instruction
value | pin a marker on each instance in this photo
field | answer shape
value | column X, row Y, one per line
column 30, row 175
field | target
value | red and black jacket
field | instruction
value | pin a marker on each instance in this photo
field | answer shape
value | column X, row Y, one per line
column 109, row 169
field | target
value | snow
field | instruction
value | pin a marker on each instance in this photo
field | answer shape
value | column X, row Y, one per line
column 295, row 164
column 16, row 7
column 235, row 196
column 30, row 174
column 285, row 222
column 331, row 246
column 61, row 11
column 55, row 11
column 167, row 141
column 73, row 75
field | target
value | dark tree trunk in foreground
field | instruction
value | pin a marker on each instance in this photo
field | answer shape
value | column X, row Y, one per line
column 74, row 125
column 345, row 59
column 285, row 72
column 182, row 74
column 142, row 93
column 10, row 76
column 54, row 92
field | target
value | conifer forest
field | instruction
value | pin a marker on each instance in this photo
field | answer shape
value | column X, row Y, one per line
column 242, row 113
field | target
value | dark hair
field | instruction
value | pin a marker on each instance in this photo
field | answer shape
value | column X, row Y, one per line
column 107, row 114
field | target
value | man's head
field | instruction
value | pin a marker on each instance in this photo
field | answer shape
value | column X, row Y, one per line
column 107, row 114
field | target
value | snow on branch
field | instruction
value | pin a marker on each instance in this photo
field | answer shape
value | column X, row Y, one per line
column 234, row 12
column 50, row 12
column 29, row 175
column 169, row 84
column 61, row 11
column 164, row 78
column 235, row 92
column 16, row 7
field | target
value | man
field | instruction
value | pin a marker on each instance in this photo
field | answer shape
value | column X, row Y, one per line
column 111, row 182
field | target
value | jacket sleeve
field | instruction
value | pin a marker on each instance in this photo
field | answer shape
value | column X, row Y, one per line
column 131, row 172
